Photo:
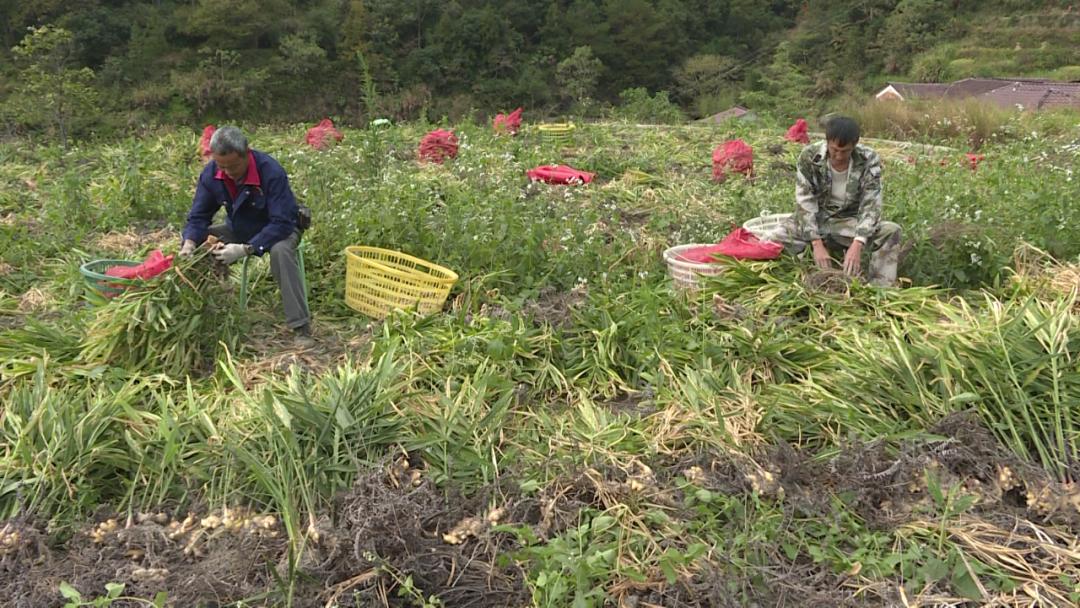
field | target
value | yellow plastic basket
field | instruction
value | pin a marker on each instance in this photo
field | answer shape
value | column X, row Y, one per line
column 378, row 281
column 557, row 132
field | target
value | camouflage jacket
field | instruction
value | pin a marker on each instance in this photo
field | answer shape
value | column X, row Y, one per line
column 813, row 184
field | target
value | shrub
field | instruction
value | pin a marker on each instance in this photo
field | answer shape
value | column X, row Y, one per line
column 938, row 120
column 1068, row 72
column 638, row 106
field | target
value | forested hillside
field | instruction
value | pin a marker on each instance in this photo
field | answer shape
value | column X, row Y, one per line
column 107, row 63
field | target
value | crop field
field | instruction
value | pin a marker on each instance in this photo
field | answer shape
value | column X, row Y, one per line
column 570, row 430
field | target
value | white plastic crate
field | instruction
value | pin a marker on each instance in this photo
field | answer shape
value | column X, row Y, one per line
column 765, row 226
column 684, row 272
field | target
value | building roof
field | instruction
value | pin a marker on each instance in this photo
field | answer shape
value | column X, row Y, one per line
column 728, row 114
column 1061, row 99
column 1026, row 93
column 969, row 87
column 919, row 89
column 1034, row 96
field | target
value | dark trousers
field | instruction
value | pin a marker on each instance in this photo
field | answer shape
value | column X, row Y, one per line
column 286, row 270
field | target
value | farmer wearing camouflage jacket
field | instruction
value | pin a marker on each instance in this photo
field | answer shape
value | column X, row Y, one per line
column 838, row 206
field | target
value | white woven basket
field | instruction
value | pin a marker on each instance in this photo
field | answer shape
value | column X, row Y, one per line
column 764, row 226
column 684, row 273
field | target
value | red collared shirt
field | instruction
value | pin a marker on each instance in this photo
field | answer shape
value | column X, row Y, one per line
column 251, row 179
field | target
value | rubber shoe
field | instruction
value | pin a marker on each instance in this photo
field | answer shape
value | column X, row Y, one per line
column 302, row 337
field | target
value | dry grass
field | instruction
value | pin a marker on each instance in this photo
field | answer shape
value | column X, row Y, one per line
column 277, row 350
column 33, row 300
column 1042, row 272
column 975, row 121
column 131, row 242
column 1041, row 560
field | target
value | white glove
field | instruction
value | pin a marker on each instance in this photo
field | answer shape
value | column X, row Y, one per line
column 227, row 254
column 188, row 248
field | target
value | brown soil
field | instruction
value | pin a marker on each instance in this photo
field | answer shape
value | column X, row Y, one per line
column 639, row 403
column 832, row 281
column 555, row 307
column 396, row 525
column 196, row 564
column 889, row 485
column 401, row 525
column 393, row 524
column 274, row 349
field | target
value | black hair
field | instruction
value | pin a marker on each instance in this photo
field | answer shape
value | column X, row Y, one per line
column 842, row 129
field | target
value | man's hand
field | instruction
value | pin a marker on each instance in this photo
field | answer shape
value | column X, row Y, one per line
column 821, row 255
column 188, row 248
column 227, row 254
column 853, row 259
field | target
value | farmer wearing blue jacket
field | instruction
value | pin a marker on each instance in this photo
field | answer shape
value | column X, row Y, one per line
column 261, row 216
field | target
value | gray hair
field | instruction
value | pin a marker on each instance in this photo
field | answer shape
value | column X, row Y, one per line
column 227, row 140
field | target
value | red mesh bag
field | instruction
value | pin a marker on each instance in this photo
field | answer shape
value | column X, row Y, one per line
column 735, row 155
column 798, row 132
column 438, row 146
column 204, row 141
column 323, row 134
column 154, row 264
column 974, row 160
column 559, row 174
column 508, row 123
column 740, row 244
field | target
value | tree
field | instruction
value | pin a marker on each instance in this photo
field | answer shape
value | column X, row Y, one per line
column 235, row 24
column 354, row 27
column 645, row 45
column 707, row 83
column 578, row 74
column 477, row 46
column 913, row 27
column 706, row 75
column 785, row 87
column 51, row 92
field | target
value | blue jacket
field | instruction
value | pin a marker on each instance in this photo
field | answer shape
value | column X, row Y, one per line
column 262, row 212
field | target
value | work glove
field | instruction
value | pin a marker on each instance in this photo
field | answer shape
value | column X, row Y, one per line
column 188, row 248
column 227, row 254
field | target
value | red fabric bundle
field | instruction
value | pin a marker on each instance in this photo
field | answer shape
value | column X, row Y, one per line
column 323, row 134
column 154, row 264
column 735, row 155
column 438, row 146
column 798, row 132
column 740, row 244
column 559, row 174
column 508, row 123
column 974, row 160
column 204, row 141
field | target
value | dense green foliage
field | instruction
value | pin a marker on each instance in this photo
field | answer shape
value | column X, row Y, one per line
column 566, row 371
column 171, row 61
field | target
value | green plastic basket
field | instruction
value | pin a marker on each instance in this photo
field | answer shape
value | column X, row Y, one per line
column 96, row 279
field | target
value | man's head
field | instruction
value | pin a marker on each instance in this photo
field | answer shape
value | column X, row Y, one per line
column 841, row 135
column 229, row 149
